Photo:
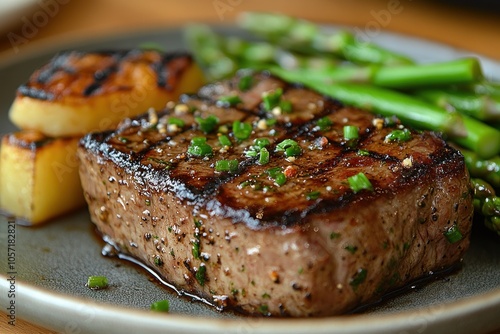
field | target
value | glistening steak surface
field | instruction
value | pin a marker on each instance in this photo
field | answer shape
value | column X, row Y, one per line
column 310, row 246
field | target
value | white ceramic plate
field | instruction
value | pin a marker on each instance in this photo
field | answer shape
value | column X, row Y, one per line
column 53, row 262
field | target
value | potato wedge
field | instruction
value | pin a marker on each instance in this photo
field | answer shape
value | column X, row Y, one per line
column 79, row 92
column 39, row 177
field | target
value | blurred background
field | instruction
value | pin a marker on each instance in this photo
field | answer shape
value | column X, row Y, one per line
column 27, row 24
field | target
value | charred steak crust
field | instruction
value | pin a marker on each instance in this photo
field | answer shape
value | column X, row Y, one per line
column 308, row 247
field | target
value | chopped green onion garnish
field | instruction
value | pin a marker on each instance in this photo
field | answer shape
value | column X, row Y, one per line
column 225, row 141
column 313, row 195
column 208, row 124
column 359, row 182
column 229, row 101
column 324, row 123
column 291, row 148
column 293, row 151
column 277, row 175
column 286, row 143
column 261, row 142
column 351, row 132
column 123, row 139
column 226, row 166
column 264, row 156
column 272, row 99
column 251, row 153
column 161, row 306
column 198, row 140
column 286, row 106
column 363, row 152
column 199, row 147
column 271, row 121
column 280, row 179
column 245, row 83
column 97, row 282
column 176, row 121
column 273, row 172
column 453, row 234
column 241, row 130
column 399, row 135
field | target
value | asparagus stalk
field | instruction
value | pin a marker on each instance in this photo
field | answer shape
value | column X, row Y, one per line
column 251, row 54
column 405, row 76
column 486, row 169
column 304, row 36
column 206, row 48
column 487, row 203
column 479, row 106
column 468, row 132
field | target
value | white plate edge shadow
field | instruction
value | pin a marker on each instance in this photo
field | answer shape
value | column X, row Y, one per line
column 436, row 318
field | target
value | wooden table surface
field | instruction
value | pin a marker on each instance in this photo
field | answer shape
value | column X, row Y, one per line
column 69, row 20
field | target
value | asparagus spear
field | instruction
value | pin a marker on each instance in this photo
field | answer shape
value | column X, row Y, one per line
column 207, row 51
column 468, row 132
column 487, row 203
column 305, row 36
column 486, row 169
column 479, row 106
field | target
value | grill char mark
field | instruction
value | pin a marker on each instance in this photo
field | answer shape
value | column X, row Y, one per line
column 89, row 74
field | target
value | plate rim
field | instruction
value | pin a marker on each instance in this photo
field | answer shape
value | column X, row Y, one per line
column 96, row 315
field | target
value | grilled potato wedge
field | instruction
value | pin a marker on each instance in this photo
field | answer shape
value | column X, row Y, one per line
column 39, row 176
column 78, row 92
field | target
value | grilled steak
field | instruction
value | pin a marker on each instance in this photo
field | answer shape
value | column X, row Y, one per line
column 250, row 202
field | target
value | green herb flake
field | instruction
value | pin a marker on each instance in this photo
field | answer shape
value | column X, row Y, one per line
column 207, row 125
column 358, row 278
column 242, row 130
column 290, row 147
column 97, row 282
column 363, row 153
column 230, row 166
column 200, row 274
column 245, row 83
column 398, row 135
column 351, row 132
column 324, row 123
column 271, row 121
column 334, row 235
column 351, row 249
column 200, row 148
column 313, row 195
column 123, row 140
column 453, row 234
column 286, row 106
column 196, row 249
column 158, row 261
column 359, row 182
column 271, row 99
column 265, row 295
column 264, row 309
column 176, row 121
column 160, row 306
column 263, row 156
column 229, row 101
column 225, row 141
